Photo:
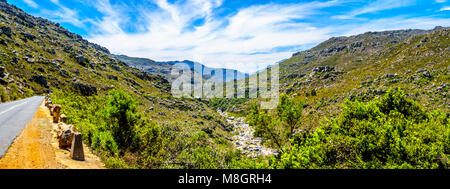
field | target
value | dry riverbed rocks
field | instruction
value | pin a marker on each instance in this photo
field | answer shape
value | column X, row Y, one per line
column 244, row 139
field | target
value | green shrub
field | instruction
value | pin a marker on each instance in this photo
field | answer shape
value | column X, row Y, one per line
column 277, row 128
column 150, row 142
column 121, row 117
column 391, row 132
column 4, row 95
column 103, row 140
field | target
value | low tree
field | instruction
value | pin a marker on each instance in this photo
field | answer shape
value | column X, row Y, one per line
column 277, row 128
column 121, row 117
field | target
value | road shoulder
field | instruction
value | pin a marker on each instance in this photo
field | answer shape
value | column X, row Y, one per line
column 37, row 148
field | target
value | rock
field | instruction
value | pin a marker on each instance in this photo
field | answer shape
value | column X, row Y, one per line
column 288, row 91
column 65, row 138
column 144, row 76
column 116, row 67
column 3, row 81
column 2, row 71
column 82, row 60
column 323, row 69
column 40, row 79
column 76, row 151
column 293, row 76
column 6, row 30
column 29, row 36
column 85, row 89
column 30, row 60
column 113, row 77
column 56, row 111
column 63, row 118
column 64, row 73
column 48, row 102
column 390, row 75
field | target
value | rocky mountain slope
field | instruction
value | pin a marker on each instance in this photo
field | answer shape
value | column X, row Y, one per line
column 365, row 66
column 38, row 56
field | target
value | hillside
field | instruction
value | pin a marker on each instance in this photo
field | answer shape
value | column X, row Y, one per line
column 375, row 100
column 38, row 56
column 365, row 66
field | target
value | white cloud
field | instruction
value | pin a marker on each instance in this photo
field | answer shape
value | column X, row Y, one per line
column 64, row 15
column 113, row 17
column 378, row 5
column 245, row 43
column 31, row 3
column 441, row 1
column 396, row 23
column 246, row 40
column 445, row 8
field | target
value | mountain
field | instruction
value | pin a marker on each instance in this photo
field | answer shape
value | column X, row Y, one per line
column 131, row 120
column 164, row 68
column 38, row 56
column 365, row 66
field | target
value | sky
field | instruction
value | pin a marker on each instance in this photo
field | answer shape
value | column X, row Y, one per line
column 246, row 35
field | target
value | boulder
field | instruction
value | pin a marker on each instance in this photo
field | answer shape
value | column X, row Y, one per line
column 48, row 103
column 55, row 119
column 56, row 112
column 6, row 30
column 85, row 89
column 76, row 150
column 113, row 77
column 63, row 118
column 64, row 73
column 65, row 138
column 40, row 79
column 2, row 71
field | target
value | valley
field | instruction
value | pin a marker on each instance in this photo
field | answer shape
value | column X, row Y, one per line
column 377, row 100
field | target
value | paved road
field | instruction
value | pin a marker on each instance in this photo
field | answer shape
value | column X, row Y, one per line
column 14, row 116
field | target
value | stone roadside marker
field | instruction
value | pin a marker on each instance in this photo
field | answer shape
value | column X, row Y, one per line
column 76, row 152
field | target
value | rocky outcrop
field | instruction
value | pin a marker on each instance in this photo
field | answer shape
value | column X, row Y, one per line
column 65, row 135
column 40, row 79
column 85, row 89
column 82, row 60
column 2, row 71
column 113, row 77
column 55, row 112
column 6, row 30
column 63, row 118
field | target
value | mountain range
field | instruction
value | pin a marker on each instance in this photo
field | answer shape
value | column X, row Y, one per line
column 164, row 68
column 38, row 57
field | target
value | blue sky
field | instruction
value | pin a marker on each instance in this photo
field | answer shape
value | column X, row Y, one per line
column 240, row 34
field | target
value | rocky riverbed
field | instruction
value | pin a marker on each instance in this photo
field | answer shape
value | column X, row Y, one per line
column 244, row 139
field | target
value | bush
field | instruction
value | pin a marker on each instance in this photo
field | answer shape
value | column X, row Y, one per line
column 150, row 142
column 103, row 140
column 391, row 132
column 277, row 128
column 121, row 117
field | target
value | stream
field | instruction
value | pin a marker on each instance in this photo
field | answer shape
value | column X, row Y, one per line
column 244, row 139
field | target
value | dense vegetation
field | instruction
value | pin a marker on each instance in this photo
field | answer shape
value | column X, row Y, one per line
column 126, row 139
column 388, row 132
column 129, row 118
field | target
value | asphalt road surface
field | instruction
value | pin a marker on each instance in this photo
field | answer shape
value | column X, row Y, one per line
column 14, row 116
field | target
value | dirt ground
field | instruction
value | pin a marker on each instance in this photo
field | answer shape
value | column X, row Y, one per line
column 37, row 148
